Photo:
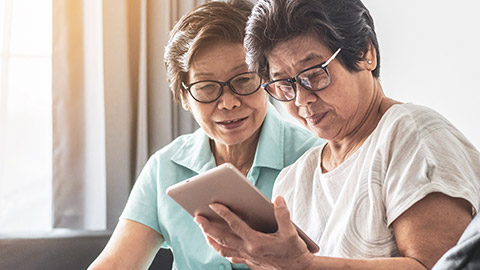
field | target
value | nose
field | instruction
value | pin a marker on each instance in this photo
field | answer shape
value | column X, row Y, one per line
column 228, row 100
column 304, row 97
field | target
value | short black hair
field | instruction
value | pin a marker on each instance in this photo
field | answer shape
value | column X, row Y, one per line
column 345, row 24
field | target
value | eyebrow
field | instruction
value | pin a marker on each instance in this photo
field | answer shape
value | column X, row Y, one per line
column 304, row 60
column 310, row 57
column 243, row 65
column 209, row 73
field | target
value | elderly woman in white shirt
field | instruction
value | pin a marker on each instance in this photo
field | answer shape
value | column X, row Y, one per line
column 395, row 185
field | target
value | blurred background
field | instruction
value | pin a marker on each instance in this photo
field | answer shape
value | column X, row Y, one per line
column 84, row 102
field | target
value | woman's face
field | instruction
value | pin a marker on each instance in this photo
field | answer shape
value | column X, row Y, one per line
column 231, row 119
column 334, row 112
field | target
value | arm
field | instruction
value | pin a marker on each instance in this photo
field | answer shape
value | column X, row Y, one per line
column 132, row 246
column 423, row 233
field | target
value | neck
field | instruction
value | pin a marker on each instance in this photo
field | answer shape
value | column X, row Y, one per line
column 337, row 151
column 240, row 155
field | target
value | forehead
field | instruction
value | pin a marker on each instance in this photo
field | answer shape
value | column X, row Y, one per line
column 218, row 58
column 296, row 54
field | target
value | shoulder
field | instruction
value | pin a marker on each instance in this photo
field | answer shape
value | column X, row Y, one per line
column 419, row 151
column 415, row 117
column 409, row 130
column 421, row 125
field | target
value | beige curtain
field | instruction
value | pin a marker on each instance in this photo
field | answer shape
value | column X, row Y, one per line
column 111, row 105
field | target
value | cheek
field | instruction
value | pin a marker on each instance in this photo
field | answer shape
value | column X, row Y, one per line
column 260, row 95
column 258, row 101
column 201, row 112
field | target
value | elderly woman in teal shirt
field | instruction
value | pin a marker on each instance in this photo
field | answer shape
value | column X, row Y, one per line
column 206, row 67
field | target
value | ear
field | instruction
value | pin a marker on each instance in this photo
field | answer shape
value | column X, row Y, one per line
column 184, row 101
column 369, row 61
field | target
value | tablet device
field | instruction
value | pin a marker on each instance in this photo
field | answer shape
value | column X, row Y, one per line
column 226, row 185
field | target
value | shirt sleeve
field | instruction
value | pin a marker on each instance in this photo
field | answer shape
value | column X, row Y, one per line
column 427, row 154
column 142, row 202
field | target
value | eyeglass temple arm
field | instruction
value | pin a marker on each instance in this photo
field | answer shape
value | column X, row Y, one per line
column 332, row 57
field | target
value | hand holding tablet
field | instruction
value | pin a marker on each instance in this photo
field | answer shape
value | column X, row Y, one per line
column 226, row 185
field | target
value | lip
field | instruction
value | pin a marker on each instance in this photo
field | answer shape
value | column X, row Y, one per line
column 315, row 119
column 232, row 124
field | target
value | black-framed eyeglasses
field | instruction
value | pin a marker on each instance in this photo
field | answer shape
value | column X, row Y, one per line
column 314, row 78
column 207, row 91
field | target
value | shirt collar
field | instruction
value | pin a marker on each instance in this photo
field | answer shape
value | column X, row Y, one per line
column 196, row 155
column 270, row 147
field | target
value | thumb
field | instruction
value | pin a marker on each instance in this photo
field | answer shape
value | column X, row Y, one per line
column 282, row 215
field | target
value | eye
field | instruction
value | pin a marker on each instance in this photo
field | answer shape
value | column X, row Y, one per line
column 243, row 79
column 314, row 78
column 286, row 88
column 281, row 90
column 205, row 87
column 282, row 84
column 205, row 91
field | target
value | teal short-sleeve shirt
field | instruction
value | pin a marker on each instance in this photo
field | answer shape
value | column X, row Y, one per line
column 279, row 145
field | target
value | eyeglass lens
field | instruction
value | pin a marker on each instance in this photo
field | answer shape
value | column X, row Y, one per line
column 311, row 79
column 241, row 84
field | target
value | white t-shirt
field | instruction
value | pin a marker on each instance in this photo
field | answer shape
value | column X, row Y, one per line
column 348, row 211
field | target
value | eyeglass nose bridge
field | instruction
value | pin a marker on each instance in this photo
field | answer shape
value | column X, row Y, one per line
column 293, row 81
column 222, row 85
column 227, row 83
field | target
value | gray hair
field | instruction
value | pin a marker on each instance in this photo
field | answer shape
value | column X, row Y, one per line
column 208, row 23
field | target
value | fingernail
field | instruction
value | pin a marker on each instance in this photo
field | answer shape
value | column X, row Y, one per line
column 279, row 201
column 214, row 207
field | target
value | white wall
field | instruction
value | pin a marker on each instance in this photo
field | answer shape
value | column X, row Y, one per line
column 430, row 53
